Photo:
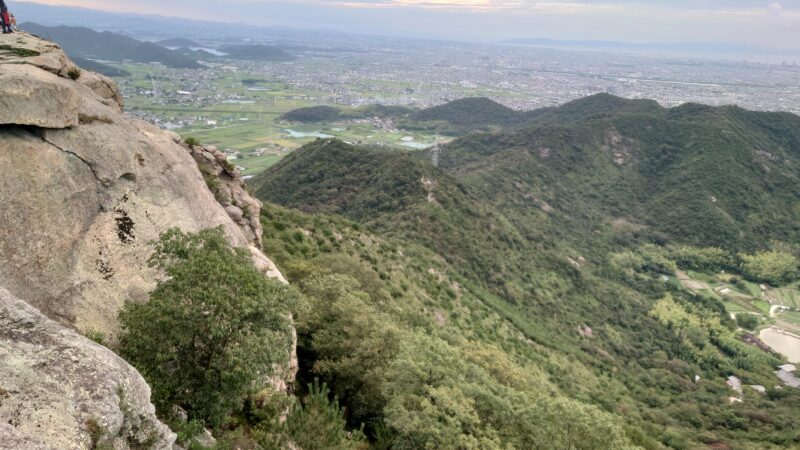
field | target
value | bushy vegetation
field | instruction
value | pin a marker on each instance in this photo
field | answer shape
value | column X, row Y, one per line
column 709, row 259
column 212, row 330
column 312, row 114
column 748, row 321
column 773, row 267
column 541, row 264
column 409, row 379
column 316, row 422
column 528, row 295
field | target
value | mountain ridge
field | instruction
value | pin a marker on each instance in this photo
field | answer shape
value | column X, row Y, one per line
column 575, row 231
column 89, row 44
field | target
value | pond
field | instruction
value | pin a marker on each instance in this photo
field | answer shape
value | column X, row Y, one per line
column 416, row 145
column 303, row 134
column 783, row 342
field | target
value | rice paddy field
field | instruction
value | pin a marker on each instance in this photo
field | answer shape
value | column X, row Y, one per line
column 241, row 112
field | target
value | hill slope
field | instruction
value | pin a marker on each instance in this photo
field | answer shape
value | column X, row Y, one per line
column 89, row 44
column 455, row 118
column 706, row 176
column 566, row 230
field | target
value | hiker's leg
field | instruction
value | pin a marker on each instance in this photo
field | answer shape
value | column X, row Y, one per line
column 4, row 17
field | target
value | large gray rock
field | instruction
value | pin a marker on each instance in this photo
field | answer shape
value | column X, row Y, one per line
column 84, row 192
column 32, row 96
column 59, row 390
column 230, row 190
column 24, row 48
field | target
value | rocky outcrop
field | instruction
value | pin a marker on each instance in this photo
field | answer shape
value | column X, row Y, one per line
column 225, row 181
column 85, row 190
column 59, row 390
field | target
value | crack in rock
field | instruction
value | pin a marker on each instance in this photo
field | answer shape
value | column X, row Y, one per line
column 104, row 182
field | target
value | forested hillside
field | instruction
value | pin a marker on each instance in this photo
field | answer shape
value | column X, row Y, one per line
column 552, row 256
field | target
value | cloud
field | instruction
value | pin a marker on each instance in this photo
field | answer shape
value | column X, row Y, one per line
column 545, row 7
column 756, row 22
column 774, row 10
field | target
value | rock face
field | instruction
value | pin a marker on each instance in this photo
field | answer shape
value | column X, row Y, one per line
column 226, row 183
column 59, row 390
column 84, row 191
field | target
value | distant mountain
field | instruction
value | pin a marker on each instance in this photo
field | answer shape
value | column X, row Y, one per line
column 714, row 48
column 697, row 174
column 324, row 113
column 178, row 42
column 454, row 118
column 195, row 54
column 468, row 115
column 465, row 115
column 313, row 114
column 574, row 227
column 257, row 52
column 86, row 43
column 693, row 174
column 100, row 68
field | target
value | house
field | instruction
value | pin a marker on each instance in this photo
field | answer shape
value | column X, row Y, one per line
column 788, row 378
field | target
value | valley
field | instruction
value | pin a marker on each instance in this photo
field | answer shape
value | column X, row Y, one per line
column 237, row 104
column 288, row 239
column 488, row 261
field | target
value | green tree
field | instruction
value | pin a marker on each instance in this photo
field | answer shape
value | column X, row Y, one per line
column 709, row 259
column 213, row 328
column 314, row 423
column 352, row 342
column 749, row 321
column 774, row 267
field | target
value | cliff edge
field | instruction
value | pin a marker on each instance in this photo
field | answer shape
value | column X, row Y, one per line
column 85, row 190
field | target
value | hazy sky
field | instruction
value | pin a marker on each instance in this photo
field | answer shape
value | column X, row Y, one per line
column 775, row 24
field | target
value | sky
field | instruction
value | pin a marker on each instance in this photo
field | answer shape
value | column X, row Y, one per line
column 753, row 22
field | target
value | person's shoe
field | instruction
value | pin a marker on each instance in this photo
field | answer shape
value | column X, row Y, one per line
column 7, row 31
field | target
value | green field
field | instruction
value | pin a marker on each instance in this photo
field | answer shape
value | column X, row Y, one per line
column 754, row 289
column 786, row 296
column 790, row 316
column 762, row 306
column 241, row 119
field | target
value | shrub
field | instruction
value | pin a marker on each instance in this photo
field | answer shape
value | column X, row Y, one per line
column 212, row 330
column 748, row 321
column 191, row 141
column 710, row 259
column 316, row 423
column 96, row 336
column 773, row 267
column 74, row 73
